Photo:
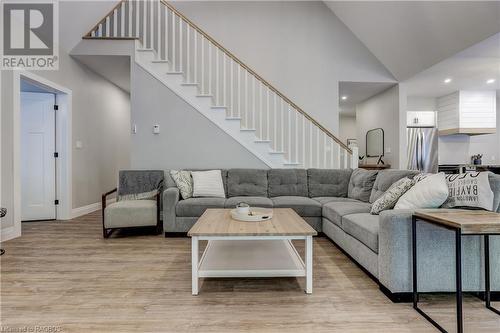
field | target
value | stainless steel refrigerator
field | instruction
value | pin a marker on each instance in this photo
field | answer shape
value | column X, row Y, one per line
column 422, row 149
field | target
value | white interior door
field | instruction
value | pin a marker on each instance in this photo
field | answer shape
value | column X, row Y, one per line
column 38, row 183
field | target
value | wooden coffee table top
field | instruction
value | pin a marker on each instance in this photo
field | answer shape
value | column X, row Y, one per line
column 218, row 222
column 469, row 221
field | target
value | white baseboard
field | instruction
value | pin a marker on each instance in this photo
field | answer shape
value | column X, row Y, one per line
column 80, row 211
column 9, row 233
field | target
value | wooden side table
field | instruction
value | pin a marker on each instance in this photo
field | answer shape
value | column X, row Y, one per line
column 463, row 223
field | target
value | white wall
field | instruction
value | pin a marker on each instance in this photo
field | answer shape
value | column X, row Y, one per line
column 187, row 139
column 300, row 47
column 347, row 128
column 380, row 111
column 457, row 149
column 101, row 113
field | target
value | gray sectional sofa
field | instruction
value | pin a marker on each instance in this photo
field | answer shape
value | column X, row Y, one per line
column 337, row 203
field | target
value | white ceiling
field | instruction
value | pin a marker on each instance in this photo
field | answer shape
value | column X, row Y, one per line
column 469, row 70
column 357, row 92
column 409, row 36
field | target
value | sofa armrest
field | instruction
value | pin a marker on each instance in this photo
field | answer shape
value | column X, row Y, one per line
column 436, row 256
column 170, row 199
column 394, row 251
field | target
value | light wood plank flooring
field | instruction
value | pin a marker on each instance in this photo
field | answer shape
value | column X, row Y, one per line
column 64, row 274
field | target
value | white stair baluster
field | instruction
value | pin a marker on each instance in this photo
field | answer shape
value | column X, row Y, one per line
column 130, row 16
column 217, row 77
column 151, row 25
column 195, row 52
column 137, row 19
column 304, row 142
column 202, row 59
column 122, row 19
column 224, row 79
column 311, row 144
column 181, row 46
column 231, row 87
column 210, row 92
column 174, row 47
column 158, row 30
column 144, row 23
column 188, row 53
column 115, row 23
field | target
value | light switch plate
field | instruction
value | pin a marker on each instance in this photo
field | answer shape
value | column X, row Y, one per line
column 78, row 144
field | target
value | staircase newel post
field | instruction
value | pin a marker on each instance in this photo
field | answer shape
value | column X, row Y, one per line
column 354, row 157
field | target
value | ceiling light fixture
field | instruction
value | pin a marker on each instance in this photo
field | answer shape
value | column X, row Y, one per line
column 447, row 80
column 344, row 98
column 490, row 81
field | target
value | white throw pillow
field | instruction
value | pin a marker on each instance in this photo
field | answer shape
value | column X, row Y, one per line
column 469, row 190
column 430, row 192
column 208, row 184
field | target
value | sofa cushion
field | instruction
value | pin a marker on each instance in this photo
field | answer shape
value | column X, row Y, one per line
column 328, row 182
column 361, row 184
column 194, row 207
column 302, row 205
column 363, row 227
column 287, row 182
column 334, row 211
column 252, row 201
column 385, row 179
column 130, row 213
column 247, row 182
column 325, row 200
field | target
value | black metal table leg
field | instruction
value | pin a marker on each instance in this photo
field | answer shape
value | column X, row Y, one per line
column 487, row 291
column 458, row 276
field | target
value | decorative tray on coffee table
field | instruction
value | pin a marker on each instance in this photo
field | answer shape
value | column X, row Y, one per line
column 256, row 214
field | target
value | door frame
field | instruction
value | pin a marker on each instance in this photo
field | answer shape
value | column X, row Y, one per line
column 63, row 144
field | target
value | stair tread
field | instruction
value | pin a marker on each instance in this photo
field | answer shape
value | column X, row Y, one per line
column 248, row 129
column 160, row 61
column 276, row 152
column 219, row 107
column 145, row 50
column 233, row 118
column 266, row 141
column 175, row 72
column 189, row 84
column 202, row 95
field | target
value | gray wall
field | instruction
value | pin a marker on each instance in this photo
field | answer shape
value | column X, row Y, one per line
column 300, row 47
column 101, row 113
column 187, row 139
column 347, row 128
column 382, row 111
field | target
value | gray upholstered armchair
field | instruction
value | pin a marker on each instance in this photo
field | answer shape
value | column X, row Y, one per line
column 138, row 202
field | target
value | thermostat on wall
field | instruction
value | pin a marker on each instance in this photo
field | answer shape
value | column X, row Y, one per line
column 156, row 129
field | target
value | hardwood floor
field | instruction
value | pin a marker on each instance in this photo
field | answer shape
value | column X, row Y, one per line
column 65, row 275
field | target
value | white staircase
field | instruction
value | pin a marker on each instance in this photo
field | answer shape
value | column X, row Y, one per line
column 217, row 84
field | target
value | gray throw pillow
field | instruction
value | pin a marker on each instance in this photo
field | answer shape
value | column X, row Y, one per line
column 391, row 196
column 184, row 182
column 361, row 184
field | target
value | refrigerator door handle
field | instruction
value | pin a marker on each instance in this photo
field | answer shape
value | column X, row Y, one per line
column 417, row 148
column 422, row 140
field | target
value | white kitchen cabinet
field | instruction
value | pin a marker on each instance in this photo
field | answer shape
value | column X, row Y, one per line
column 421, row 119
column 467, row 112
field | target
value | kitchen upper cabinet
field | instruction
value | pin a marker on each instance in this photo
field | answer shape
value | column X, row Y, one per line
column 467, row 112
column 421, row 119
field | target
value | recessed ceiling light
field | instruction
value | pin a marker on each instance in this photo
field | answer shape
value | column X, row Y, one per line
column 344, row 98
column 447, row 80
column 490, row 81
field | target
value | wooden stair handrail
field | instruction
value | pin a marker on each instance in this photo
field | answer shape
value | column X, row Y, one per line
column 237, row 60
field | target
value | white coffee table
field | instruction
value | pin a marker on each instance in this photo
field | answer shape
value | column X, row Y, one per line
column 251, row 249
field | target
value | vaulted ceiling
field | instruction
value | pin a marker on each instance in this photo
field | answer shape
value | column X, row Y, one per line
column 411, row 36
